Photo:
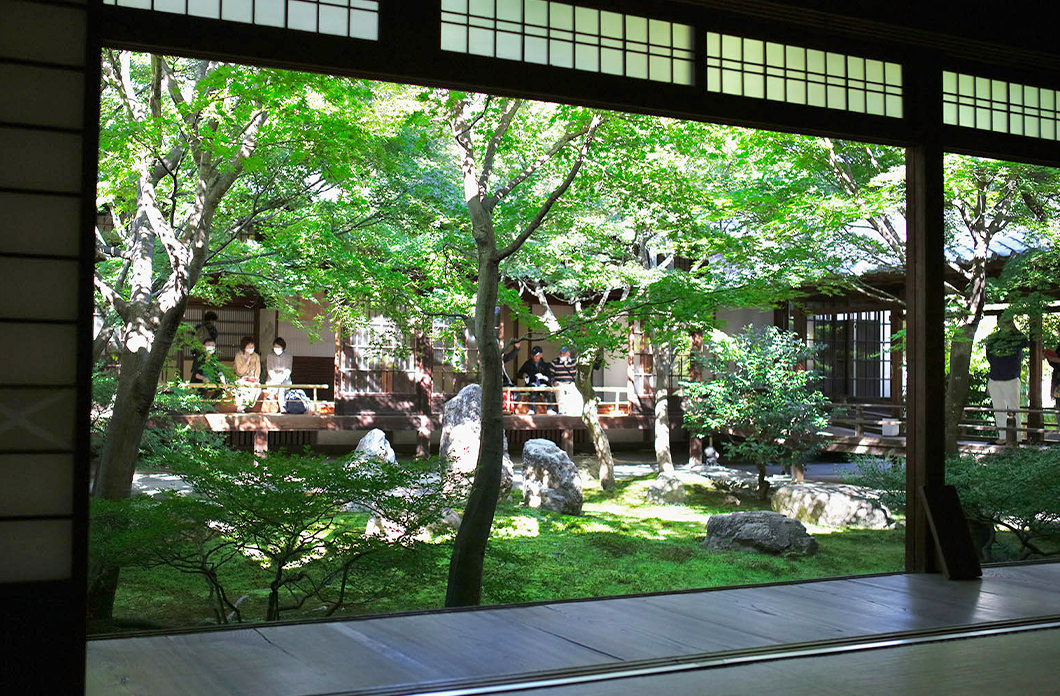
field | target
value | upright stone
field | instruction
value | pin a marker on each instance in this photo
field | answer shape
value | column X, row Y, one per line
column 374, row 445
column 550, row 478
column 461, row 428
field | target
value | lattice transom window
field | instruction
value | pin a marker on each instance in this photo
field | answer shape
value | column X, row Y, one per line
column 779, row 72
column 1000, row 106
column 569, row 36
column 358, row 19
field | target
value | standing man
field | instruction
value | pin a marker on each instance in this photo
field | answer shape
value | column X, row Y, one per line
column 1004, row 352
column 535, row 373
column 564, row 370
column 207, row 330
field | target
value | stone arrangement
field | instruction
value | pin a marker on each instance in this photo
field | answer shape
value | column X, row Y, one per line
column 550, row 478
column 832, row 505
column 759, row 531
column 666, row 490
column 461, row 426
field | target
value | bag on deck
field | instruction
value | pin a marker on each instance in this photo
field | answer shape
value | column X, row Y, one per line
column 296, row 401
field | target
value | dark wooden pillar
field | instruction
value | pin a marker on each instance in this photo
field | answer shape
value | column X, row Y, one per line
column 567, row 438
column 261, row 442
column 695, row 374
column 925, row 341
column 1035, row 419
column 897, row 362
column 781, row 317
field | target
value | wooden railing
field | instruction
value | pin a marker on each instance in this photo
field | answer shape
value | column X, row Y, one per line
column 889, row 420
column 613, row 400
column 229, row 388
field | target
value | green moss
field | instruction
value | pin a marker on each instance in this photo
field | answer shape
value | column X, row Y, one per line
column 620, row 545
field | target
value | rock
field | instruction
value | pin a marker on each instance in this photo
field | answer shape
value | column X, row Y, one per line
column 760, row 531
column 721, row 478
column 374, row 445
column 832, row 505
column 461, row 425
column 588, row 466
column 550, row 478
column 666, row 490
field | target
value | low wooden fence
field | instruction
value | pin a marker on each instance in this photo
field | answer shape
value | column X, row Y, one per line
column 889, row 420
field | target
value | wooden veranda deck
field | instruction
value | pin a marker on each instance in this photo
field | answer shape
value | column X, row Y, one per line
column 893, row 634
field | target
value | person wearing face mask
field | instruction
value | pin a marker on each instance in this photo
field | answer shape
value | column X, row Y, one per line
column 278, row 366
column 205, row 369
column 247, row 365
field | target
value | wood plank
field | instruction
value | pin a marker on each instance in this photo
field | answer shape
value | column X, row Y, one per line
column 1020, row 663
column 235, row 663
column 454, row 645
column 293, row 660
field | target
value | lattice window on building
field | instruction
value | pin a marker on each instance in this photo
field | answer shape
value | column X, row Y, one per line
column 853, row 354
column 570, row 36
column 746, row 67
column 357, row 19
column 377, row 359
column 449, row 356
column 971, row 101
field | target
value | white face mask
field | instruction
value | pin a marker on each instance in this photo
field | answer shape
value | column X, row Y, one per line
column 277, row 350
column 210, row 349
column 249, row 350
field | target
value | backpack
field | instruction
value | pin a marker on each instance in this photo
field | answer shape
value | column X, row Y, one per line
column 296, row 401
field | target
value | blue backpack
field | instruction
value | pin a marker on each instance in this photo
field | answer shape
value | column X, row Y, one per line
column 296, row 401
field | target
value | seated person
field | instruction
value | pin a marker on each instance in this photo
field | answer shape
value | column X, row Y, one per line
column 247, row 365
column 206, row 370
column 278, row 365
column 535, row 373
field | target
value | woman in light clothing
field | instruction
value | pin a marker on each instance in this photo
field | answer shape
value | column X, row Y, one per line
column 248, row 372
column 278, row 366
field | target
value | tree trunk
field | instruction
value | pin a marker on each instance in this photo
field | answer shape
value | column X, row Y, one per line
column 137, row 385
column 957, row 384
column 469, row 548
column 591, row 419
column 663, row 361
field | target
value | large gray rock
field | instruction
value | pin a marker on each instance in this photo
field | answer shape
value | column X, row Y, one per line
column 374, row 445
column 461, row 426
column 760, row 531
column 666, row 490
column 550, row 478
column 832, row 505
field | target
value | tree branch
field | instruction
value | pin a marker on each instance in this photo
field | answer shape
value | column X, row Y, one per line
column 508, row 111
column 558, row 146
column 589, row 132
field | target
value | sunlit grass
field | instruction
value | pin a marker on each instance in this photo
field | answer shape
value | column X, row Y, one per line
column 619, row 545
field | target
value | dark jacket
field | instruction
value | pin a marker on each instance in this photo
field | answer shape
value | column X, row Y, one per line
column 1004, row 352
column 536, row 374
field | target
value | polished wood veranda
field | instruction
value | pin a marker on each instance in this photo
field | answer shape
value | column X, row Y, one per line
column 839, row 630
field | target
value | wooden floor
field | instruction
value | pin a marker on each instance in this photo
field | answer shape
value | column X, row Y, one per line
column 724, row 639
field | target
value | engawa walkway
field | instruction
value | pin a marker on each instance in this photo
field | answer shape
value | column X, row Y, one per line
column 428, row 652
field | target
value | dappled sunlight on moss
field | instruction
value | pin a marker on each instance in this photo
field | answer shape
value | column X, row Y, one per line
column 517, row 526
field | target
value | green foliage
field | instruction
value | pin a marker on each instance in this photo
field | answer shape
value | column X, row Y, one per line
column 1015, row 489
column 619, row 545
column 285, row 512
column 167, row 439
column 759, row 393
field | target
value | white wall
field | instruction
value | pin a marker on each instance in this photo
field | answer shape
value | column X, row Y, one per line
column 733, row 320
